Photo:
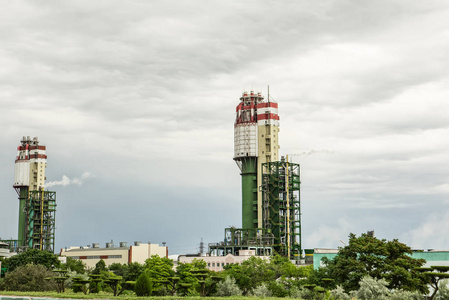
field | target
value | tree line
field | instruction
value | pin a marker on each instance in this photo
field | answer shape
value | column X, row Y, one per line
column 367, row 268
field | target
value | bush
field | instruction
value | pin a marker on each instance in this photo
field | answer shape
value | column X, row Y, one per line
column 228, row 287
column 28, row 278
column 143, row 285
column 443, row 292
column 406, row 295
column 339, row 293
column 301, row 293
column 261, row 291
column 35, row 257
column 372, row 289
column 278, row 288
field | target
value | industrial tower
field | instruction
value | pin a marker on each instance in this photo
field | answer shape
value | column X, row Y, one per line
column 256, row 131
column 36, row 207
column 270, row 188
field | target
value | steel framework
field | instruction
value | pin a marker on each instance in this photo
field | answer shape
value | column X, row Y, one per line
column 236, row 239
column 40, row 218
column 281, row 206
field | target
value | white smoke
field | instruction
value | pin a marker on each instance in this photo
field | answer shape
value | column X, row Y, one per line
column 67, row 181
column 311, row 152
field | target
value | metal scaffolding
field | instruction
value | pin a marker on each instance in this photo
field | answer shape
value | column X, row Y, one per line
column 236, row 239
column 40, row 220
column 281, row 206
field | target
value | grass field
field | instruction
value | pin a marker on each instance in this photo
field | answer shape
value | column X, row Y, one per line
column 71, row 295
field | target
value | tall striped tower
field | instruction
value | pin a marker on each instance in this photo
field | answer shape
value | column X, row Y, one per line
column 256, row 131
column 36, row 206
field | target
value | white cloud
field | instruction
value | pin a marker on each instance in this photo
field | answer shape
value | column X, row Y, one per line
column 330, row 236
column 431, row 234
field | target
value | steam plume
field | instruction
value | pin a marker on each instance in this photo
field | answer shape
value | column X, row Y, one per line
column 67, row 181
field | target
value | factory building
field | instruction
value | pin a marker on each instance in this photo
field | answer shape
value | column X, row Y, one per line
column 431, row 256
column 270, row 187
column 110, row 254
column 4, row 250
column 217, row 263
column 37, row 207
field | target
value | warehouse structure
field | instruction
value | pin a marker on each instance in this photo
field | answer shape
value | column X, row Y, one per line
column 110, row 254
column 270, row 187
column 217, row 263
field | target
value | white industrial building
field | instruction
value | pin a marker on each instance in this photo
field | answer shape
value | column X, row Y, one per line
column 217, row 263
column 122, row 254
column 4, row 250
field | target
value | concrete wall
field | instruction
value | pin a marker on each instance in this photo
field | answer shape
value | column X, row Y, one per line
column 91, row 256
column 142, row 252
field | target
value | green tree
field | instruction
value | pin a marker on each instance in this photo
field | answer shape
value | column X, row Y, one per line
column 35, row 257
column 143, row 285
column 29, row 278
column 95, row 282
column 159, row 267
column 278, row 274
column 159, row 270
column 207, row 281
column 80, row 284
column 434, row 275
column 251, row 273
column 443, row 291
column 133, row 271
column 74, row 265
column 100, row 266
column 187, row 280
column 114, row 282
column 380, row 259
column 60, row 280
column 118, row 269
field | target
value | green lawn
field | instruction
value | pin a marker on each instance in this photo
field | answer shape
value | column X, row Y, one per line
column 104, row 295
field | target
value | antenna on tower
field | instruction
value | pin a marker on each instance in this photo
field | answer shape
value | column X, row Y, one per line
column 268, row 98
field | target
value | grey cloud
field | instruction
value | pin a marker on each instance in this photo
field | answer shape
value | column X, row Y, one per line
column 144, row 94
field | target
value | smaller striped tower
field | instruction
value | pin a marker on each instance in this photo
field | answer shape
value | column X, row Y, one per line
column 36, row 206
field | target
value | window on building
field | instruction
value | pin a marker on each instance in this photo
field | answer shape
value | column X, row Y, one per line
column 208, row 264
column 213, row 264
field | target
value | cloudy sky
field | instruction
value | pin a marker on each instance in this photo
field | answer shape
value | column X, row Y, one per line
column 135, row 101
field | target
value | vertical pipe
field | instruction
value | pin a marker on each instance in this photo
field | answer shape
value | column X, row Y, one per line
column 42, row 218
column 288, row 209
column 23, row 197
column 249, row 191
